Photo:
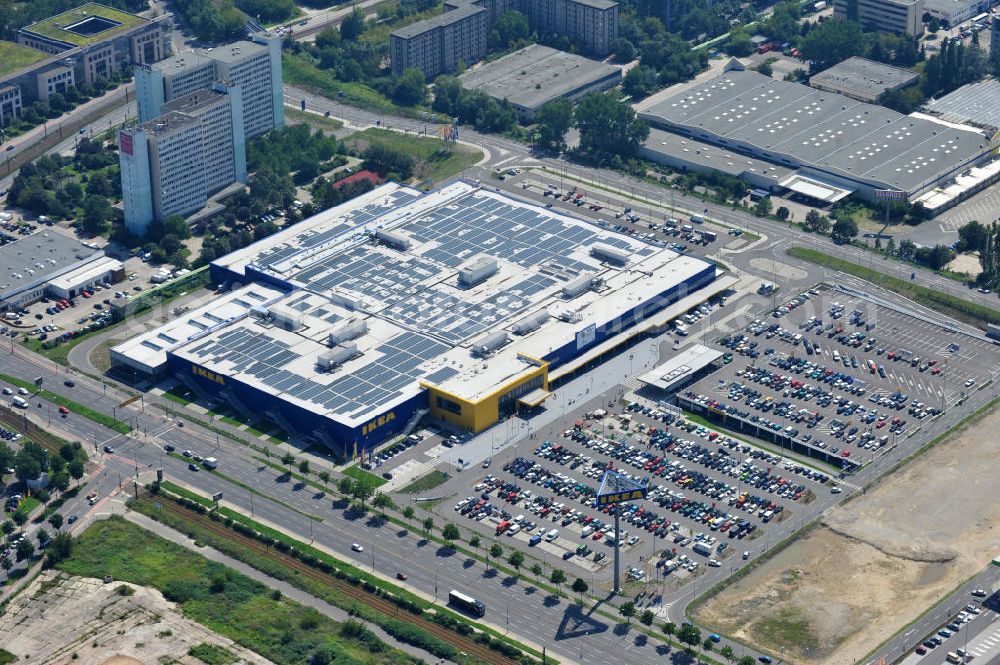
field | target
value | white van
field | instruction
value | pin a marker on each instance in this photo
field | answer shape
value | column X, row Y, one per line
column 19, row 402
column 552, row 535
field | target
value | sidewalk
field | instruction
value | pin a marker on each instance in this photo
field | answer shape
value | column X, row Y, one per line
column 286, row 589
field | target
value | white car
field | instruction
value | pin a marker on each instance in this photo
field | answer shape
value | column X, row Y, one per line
column 357, row 548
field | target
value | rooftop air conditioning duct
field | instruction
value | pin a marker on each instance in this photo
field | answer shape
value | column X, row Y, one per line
column 349, row 330
column 609, row 253
column 478, row 271
column 532, row 322
column 394, row 240
column 338, row 355
column 490, row 343
column 286, row 318
column 575, row 287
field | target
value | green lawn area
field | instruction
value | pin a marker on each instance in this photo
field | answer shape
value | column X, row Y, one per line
column 14, row 56
column 300, row 70
column 50, row 27
column 28, row 505
column 7, row 657
column 211, row 654
column 218, row 597
column 947, row 304
column 426, row 482
column 363, row 476
column 59, row 400
column 180, row 394
column 328, row 125
column 436, row 160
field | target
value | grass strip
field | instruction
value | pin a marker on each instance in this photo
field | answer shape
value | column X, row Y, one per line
column 308, row 554
column 945, row 303
column 362, row 476
column 426, row 482
column 223, row 600
column 59, row 400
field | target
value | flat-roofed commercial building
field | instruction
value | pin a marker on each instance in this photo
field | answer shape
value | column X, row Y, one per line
column 863, row 80
column 833, row 145
column 536, row 74
column 253, row 66
column 951, row 13
column 437, row 45
column 30, row 264
column 171, row 165
column 461, row 303
column 898, row 16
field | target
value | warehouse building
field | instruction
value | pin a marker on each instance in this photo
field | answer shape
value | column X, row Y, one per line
column 975, row 104
column 50, row 264
column 863, row 80
column 536, row 74
column 254, row 67
column 951, row 13
column 833, row 146
column 462, row 303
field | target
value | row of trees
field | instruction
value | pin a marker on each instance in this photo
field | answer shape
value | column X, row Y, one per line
column 977, row 237
column 472, row 107
column 224, row 20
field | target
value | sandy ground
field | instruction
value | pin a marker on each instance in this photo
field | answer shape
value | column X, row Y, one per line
column 63, row 620
column 967, row 263
column 876, row 563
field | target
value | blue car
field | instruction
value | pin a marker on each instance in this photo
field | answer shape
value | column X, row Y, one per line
column 715, row 637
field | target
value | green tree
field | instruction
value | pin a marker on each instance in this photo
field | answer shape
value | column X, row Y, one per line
column 670, row 628
column 6, row 459
column 410, row 88
column 844, row 230
column 738, row 44
column 8, row 527
column 474, row 542
column 627, row 610
column 640, row 81
column 746, row 660
column 450, row 532
column 362, row 492
column 352, row 26
column 782, row 213
column 707, row 644
column 557, row 577
column 176, row 226
column 76, row 469
column 408, row 512
column 554, row 119
column 25, row 550
column 646, row 617
column 623, row 49
column 6, row 564
column 765, row 69
column 816, row 222
column 727, row 653
column 516, row 559
column 324, row 476
column 536, row 569
column 512, row 27
column 608, row 126
column 973, row 237
column 382, row 500
column 304, row 466
column 56, row 520
column 580, row 586
column 428, row 524
column 763, row 207
column 43, row 536
column 833, row 41
column 345, row 485
column 96, row 214
column 690, row 635
column 288, row 460
column 496, row 551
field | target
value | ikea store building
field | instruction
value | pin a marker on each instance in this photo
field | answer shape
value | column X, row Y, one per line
column 462, row 303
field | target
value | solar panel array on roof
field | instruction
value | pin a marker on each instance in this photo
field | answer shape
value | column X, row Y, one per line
column 392, row 365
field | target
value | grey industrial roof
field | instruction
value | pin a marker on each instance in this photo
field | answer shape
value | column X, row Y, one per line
column 949, row 6
column 975, row 103
column 38, row 257
column 712, row 156
column 447, row 18
column 181, row 61
column 863, row 77
column 168, row 122
column 193, row 101
column 596, row 4
column 798, row 126
column 235, row 51
column 536, row 74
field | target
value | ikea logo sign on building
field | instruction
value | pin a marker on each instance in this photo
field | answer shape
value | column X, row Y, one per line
column 370, row 427
column 205, row 374
column 619, row 497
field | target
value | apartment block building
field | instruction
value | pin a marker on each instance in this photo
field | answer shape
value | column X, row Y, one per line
column 897, row 16
column 254, row 67
column 10, row 104
column 437, row 45
column 590, row 24
column 172, row 164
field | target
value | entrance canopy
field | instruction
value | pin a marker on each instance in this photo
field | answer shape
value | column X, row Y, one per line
column 814, row 188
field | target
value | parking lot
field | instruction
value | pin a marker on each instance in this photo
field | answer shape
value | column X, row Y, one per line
column 709, row 495
column 838, row 380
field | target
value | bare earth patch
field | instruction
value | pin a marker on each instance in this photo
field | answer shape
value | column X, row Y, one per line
column 876, row 563
column 62, row 620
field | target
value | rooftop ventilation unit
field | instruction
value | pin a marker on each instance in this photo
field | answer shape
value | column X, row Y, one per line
column 490, row 343
column 609, row 253
column 394, row 240
column 349, row 330
column 478, row 271
column 532, row 322
column 569, row 315
column 575, row 287
column 338, row 355
column 286, row 318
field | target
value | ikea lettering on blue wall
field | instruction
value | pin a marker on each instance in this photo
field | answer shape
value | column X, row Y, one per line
column 205, row 374
column 370, row 427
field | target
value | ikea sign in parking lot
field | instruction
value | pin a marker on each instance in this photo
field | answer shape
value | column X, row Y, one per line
column 619, row 497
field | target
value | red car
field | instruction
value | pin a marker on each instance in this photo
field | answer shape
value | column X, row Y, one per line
column 63, row 410
column 921, row 650
column 936, row 370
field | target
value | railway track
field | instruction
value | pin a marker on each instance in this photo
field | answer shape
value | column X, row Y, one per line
column 469, row 646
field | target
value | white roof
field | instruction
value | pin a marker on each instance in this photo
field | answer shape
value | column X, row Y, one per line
column 681, row 367
column 86, row 273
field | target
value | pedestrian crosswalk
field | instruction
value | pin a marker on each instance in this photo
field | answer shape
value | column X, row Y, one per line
column 987, row 646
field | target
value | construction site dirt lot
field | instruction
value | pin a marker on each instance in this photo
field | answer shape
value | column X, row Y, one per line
column 876, row 563
column 60, row 619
